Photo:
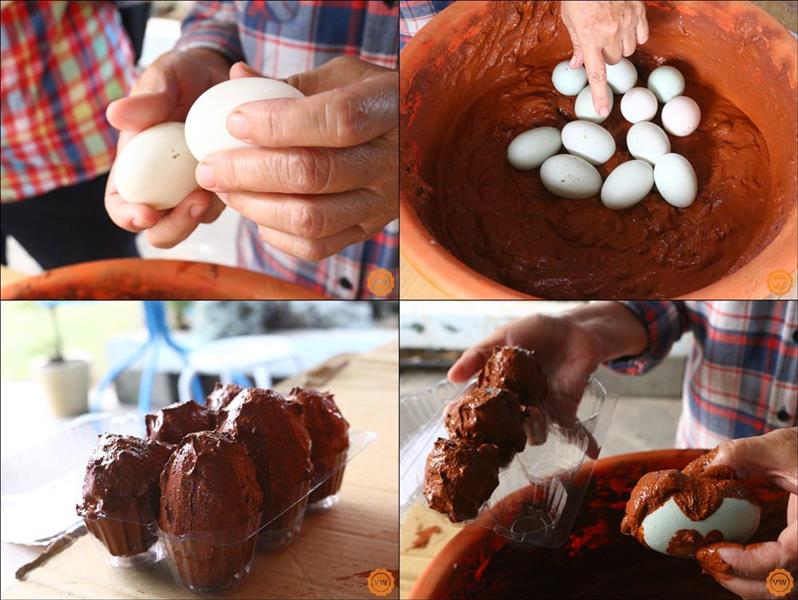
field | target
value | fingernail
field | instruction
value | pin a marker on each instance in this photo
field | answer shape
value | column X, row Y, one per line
column 205, row 176
column 238, row 125
column 604, row 111
column 197, row 210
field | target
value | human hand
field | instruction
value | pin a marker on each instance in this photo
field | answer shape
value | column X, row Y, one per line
column 603, row 32
column 164, row 92
column 323, row 173
column 743, row 569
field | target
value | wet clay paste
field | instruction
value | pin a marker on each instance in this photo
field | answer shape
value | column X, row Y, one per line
column 504, row 224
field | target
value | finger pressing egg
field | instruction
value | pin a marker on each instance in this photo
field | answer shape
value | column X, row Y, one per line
column 567, row 80
column 675, row 179
column 589, row 141
column 627, row 185
column 638, row 104
column 647, row 141
column 529, row 149
column 621, row 77
column 584, row 109
column 206, row 122
column 156, row 168
column 570, row 177
column 681, row 116
column 666, row 82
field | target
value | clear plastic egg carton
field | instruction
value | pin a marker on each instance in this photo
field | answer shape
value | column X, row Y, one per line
column 540, row 491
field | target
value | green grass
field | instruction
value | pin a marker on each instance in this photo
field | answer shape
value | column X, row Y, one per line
column 85, row 327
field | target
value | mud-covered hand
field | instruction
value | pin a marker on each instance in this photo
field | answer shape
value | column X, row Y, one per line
column 744, row 569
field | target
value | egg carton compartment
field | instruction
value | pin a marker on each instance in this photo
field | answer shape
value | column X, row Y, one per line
column 540, row 491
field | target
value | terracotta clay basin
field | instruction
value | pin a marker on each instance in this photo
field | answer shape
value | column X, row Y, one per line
column 479, row 73
column 596, row 561
column 134, row 278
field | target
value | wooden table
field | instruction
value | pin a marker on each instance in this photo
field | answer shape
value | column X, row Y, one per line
column 335, row 551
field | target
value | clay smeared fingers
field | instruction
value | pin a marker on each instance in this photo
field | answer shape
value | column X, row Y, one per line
column 289, row 170
column 307, row 216
column 312, row 250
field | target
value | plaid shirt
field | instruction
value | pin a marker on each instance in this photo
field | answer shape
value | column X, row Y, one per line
column 62, row 64
column 280, row 39
column 742, row 375
column 415, row 14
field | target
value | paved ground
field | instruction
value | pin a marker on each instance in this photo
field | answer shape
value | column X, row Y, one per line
column 638, row 423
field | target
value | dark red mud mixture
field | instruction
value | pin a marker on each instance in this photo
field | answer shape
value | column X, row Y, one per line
column 503, row 223
column 598, row 561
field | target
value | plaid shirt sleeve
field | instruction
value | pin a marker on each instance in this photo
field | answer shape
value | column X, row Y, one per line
column 664, row 322
column 414, row 14
column 212, row 25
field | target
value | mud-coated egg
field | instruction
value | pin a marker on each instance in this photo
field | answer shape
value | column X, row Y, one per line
column 735, row 519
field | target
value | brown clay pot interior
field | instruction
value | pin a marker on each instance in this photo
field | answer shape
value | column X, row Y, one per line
column 597, row 561
column 479, row 74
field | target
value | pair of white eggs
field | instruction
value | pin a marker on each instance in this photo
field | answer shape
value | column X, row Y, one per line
column 574, row 176
column 680, row 115
column 157, row 166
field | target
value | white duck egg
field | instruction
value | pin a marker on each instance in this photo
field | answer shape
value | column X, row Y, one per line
column 567, row 80
column 627, row 185
column 622, row 76
column 666, row 82
column 529, row 149
column 206, row 122
column 638, row 104
column 675, row 180
column 156, row 168
column 735, row 518
column 681, row 116
column 583, row 107
column 589, row 141
column 647, row 141
column 570, row 177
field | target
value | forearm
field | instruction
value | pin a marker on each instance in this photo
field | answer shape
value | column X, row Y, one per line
column 616, row 330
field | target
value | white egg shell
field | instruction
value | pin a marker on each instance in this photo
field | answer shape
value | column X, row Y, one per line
column 681, row 116
column 583, row 107
column 206, row 122
column 666, row 82
column 675, row 180
column 570, row 177
column 622, row 76
column 156, row 168
column 529, row 149
column 568, row 81
column 736, row 519
column 627, row 185
column 638, row 104
column 647, row 141
column 589, row 141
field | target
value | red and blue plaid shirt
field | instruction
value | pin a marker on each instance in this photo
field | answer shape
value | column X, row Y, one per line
column 280, row 39
column 741, row 377
column 62, row 64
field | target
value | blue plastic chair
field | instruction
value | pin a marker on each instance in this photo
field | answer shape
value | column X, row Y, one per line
column 159, row 336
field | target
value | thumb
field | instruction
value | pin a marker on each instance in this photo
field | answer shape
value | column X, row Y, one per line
column 774, row 455
column 471, row 361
